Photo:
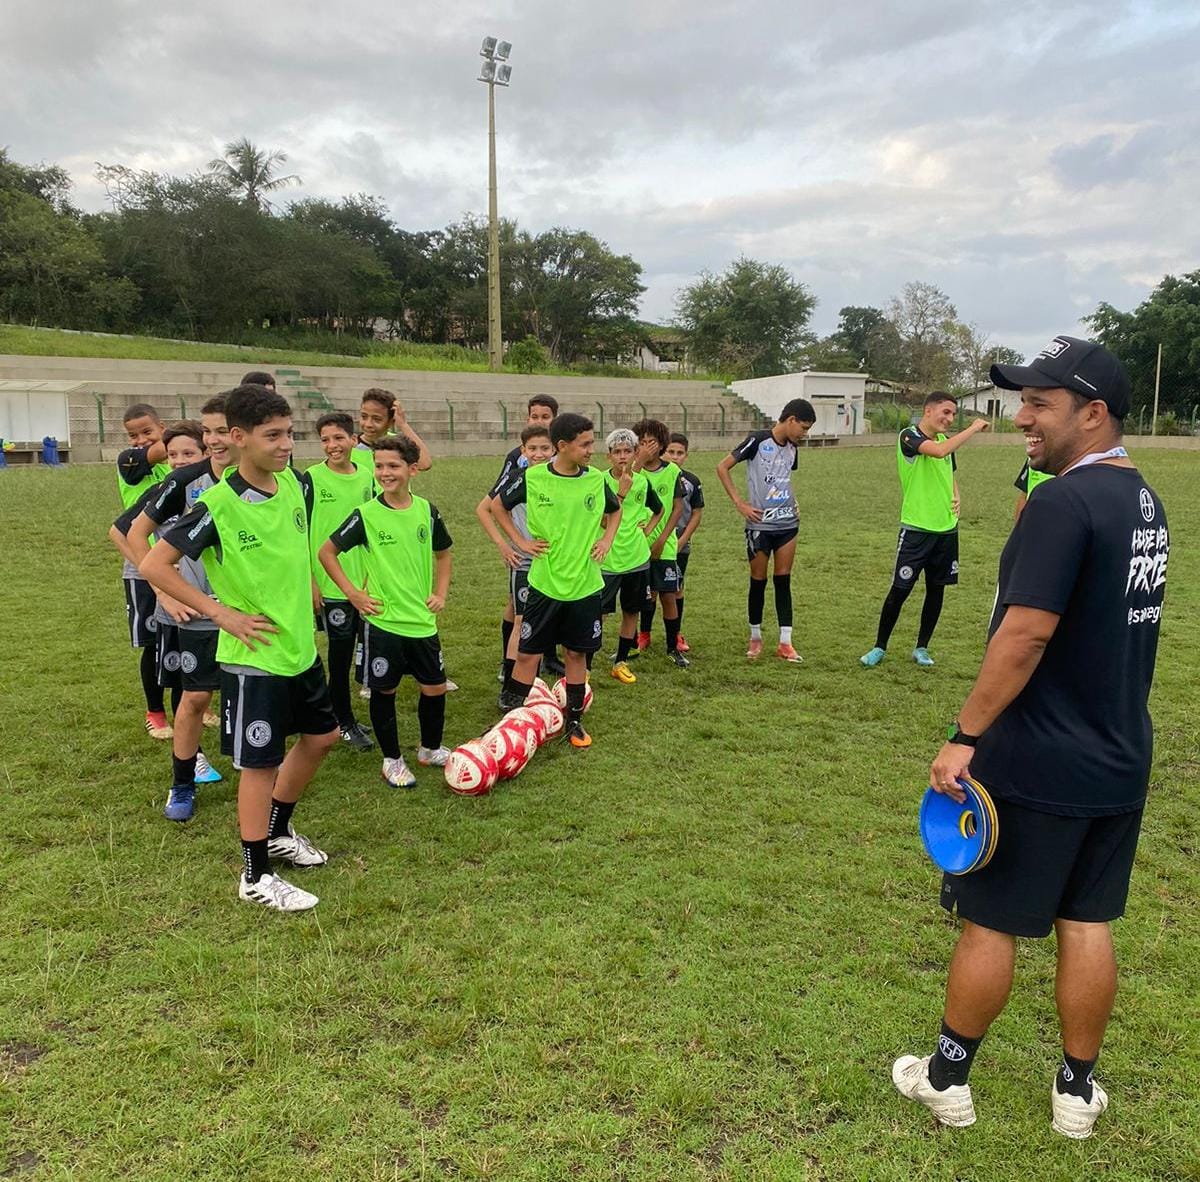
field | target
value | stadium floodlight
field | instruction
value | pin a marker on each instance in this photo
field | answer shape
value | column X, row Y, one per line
column 487, row 71
column 488, row 48
column 503, row 49
column 494, row 52
column 503, row 74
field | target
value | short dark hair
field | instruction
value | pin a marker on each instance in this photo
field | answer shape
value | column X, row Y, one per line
column 799, row 409
column 385, row 398
column 404, row 447
column 140, row 410
column 258, row 377
column 655, row 429
column 215, row 405
column 934, row 397
column 248, row 406
column 547, row 400
column 337, row 418
column 535, row 431
column 681, row 439
column 568, row 427
column 188, row 428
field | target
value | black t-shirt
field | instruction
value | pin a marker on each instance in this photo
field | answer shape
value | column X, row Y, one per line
column 1076, row 741
column 512, row 465
column 133, row 466
column 124, row 523
column 352, row 532
column 179, row 491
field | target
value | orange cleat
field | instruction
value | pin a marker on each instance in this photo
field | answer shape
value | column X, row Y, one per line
column 785, row 652
column 754, row 651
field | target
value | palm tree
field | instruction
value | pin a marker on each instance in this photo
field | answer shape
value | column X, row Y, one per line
column 251, row 171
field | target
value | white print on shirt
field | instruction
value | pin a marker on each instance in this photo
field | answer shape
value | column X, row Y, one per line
column 1148, row 548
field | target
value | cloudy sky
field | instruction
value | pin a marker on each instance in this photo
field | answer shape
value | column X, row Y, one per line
column 1029, row 158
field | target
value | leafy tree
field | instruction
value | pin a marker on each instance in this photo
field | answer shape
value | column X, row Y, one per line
column 252, row 172
column 924, row 320
column 748, row 321
column 526, row 356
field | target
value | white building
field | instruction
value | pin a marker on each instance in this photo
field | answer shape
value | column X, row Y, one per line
column 992, row 402
column 838, row 398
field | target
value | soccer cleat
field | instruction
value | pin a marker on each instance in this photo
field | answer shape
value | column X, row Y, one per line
column 922, row 657
column 1074, row 1118
column 181, row 802
column 509, row 701
column 356, row 736
column 621, row 672
column 785, row 652
column 298, row 850
column 681, row 662
column 211, row 719
column 157, row 726
column 577, row 736
column 643, row 641
column 682, row 645
column 500, row 675
column 755, row 650
column 451, row 686
column 952, row 1107
column 433, row 756
column 873, row 658
column 396, row 772
column 276, row 893
column 205, row 772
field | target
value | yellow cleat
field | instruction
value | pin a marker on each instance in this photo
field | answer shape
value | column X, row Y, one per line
column 621, row 672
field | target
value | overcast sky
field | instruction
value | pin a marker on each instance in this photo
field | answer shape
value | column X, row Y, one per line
column 1029, row 158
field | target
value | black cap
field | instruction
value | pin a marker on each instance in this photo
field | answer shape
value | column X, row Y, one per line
column 1083, row 366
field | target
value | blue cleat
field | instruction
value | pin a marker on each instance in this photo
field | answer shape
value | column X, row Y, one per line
column 873, row 658
column 181, row 802
column 205, row 772
column 922, row 658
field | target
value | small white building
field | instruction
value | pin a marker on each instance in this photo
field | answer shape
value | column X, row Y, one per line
column 992, row 402
column 838, row 398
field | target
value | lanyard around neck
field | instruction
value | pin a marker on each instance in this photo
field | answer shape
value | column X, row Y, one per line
column 1113, row 453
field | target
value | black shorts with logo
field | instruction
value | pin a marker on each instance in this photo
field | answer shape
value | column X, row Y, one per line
column 387, row 657
column 1048, row 867
column 259, row 711
column 664, row 575
column 140, row 602
column 338, row 619
column 681, row 560
column 629, row 586
column 573, row 623
column 919, row 550
column 767, row 541
column 518, row 590
column 187, row 658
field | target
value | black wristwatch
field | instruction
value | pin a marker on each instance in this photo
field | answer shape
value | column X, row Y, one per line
column 955, row 734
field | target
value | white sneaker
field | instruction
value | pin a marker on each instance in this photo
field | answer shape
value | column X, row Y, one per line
column 952, row 1107
column 276, row 893
column 451, row 686
column 296, row 849
column 433, row 757
column 396, row 773
column 1072, row 1117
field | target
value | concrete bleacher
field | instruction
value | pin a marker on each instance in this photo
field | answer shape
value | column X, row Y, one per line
column 465, row 413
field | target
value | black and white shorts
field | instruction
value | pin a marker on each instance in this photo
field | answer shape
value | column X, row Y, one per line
column 187, row 658
column 629, row 586
column 573, row 623
column 518, row 590
column 338, row 619
column 919, row 550
column 768, row 541
column 140, row 602
column 260, row 711
column 387, row 657
column 664, row 575
column 681, row 560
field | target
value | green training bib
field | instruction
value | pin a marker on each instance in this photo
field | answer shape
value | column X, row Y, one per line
column 630, row 549
column 335, row 497
column 566, row 512
column 663, row 482
column 398, row 560
column 927, row 484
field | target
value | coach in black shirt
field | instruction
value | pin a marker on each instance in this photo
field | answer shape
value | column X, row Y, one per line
column 1057, row 729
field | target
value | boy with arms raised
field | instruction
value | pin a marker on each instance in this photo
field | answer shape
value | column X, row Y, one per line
column 250, row 530
column 405, row 550
column 380, row 415
column 572, row 517
column 335, row 487
column 772, row 520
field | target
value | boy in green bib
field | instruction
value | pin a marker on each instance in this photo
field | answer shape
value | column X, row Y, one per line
column 928, row 522
column 335, row 488
column 1027, row 480
column 250, row 530
column 572, row 518
column 404, row 547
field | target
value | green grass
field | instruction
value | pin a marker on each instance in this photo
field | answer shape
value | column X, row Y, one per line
column 689, row 953
column 52, row 342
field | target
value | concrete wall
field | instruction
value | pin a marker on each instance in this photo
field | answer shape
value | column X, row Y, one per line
column 838, row 398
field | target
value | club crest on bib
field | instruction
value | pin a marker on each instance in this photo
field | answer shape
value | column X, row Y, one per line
column 298, row 520
column 258, row 734
column 589, row 502
column 422, row 534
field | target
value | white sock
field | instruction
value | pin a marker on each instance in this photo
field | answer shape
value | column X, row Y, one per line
column 785, row 635
column 756, row 632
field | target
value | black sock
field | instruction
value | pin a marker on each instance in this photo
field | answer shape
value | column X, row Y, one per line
column 575, row 696
column 506, row 630
column 508, row 669
column 517, row 689
column 341, row 657
column 624, row 644
column 951, row 1062
column 587, row 660
column 184, row 770
column 281, row 817
column 783, row 600
column 1075, row 1077
column 930, row 610
column 150, row 686
column 889, row 614
column 256, row 858
column 431, row 715
column 176, row 698
column 755, row 601
column 672, row 628
column 679, row 609
column 383, row 723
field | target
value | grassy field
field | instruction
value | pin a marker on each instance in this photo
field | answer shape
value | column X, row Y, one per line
column 689, row 953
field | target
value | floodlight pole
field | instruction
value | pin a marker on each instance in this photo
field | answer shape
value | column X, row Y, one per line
column 495, row 346
column 1157, row 377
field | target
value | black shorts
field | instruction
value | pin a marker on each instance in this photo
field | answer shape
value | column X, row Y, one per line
column 258, row 712
column 187, row 658
column 681, row 561
column 140, row 602
column 573, row 623
column 1045, row 868
column 664, row 575
column 630, row 586
column 518, row 590
column 338, row 619
column 386, row 658
column 767, row 541
column 918, row 550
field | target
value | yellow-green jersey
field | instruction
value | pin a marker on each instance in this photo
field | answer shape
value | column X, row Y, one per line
column 334, row 496
column 667, row 486
column 927, row 484
column 630, row 550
